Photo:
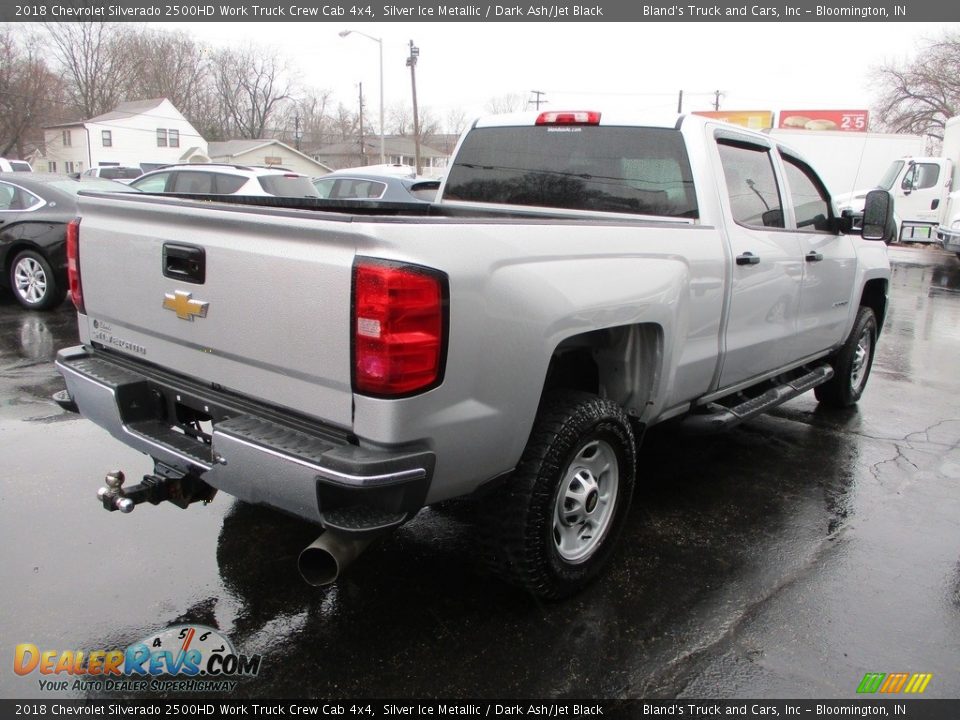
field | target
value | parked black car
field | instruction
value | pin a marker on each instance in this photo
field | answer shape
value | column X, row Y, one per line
column 34, row 211
column 360, row 185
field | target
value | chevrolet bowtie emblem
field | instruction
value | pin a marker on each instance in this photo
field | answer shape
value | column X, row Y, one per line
column 183, row 304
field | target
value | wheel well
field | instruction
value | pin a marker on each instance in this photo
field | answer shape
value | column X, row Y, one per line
column 622, row 364
column 875, row 297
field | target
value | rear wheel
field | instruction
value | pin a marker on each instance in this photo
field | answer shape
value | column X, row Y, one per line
column 33, row 282
column 555, row 523
column 851, row 363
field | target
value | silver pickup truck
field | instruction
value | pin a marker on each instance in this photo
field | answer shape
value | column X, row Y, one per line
column 581, row 277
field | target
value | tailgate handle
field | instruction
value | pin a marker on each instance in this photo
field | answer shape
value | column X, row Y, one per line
column 184, row 262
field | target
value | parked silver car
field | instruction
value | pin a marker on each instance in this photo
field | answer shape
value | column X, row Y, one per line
column 214, row 179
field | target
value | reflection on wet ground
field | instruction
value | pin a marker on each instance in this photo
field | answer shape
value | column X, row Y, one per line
column 778, row 560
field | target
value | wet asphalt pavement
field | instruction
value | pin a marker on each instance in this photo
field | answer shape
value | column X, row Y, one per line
column 784, row 559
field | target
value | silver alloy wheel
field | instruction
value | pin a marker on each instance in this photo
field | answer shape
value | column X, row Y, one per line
column 585, row 501
column 30, row 280
column 861, row 360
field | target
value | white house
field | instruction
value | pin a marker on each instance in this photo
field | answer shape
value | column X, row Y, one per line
column 265, row 152
column 141, row 132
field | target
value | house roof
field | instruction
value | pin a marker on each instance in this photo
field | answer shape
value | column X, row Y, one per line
column 230, row 149
column 128, row 109
column 120, row 112
column 393, row 144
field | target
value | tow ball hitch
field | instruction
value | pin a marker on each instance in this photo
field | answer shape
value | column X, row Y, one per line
column 181, row 490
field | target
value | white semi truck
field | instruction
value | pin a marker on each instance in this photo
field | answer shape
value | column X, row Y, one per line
column 926, row 193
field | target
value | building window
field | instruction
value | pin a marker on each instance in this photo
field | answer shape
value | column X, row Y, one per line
column 66, row 139
column 106, row 137
column 69, row 166
column 51, row 166
column 168, row 138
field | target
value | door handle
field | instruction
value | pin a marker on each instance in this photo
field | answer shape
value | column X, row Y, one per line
column 748, row 258
column 186, row 263
column 814, row 256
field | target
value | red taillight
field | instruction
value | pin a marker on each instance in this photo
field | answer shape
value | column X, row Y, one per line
column 73, row 264
column 399, row 325
column 569, row 117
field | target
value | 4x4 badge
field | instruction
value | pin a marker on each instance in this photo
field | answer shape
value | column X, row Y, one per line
column 183, row 304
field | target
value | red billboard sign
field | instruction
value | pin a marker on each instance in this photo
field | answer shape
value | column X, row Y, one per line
column 843, row 120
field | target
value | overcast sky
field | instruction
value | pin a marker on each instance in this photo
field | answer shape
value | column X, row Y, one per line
column 757, row 66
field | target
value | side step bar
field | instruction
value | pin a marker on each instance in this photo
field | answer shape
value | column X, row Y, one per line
column 717, row 417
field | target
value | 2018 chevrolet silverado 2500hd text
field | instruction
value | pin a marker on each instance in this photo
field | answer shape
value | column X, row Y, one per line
column 582, row 276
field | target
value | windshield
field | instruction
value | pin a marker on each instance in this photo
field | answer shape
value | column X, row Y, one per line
column 886, row 182
column 642, row 171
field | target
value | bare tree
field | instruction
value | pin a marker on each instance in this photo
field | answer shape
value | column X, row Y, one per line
column 345, row 123
column 918, row 96
column 400, row 122
column 29, row 93
column 251, row 83
column 315, row 123
column 456, row 121
column 94, row 61
column 511, row 102
column 170, row 65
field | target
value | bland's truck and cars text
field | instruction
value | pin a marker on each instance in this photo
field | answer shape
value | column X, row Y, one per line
column 581, row 277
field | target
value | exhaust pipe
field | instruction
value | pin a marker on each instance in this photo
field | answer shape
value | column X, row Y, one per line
column 321, row 562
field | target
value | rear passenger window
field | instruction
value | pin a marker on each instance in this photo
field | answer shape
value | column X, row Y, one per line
column 229, row 184
column 751, row 185
column 809, row 199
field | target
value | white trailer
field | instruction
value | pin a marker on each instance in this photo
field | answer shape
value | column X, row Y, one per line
column 849, row 161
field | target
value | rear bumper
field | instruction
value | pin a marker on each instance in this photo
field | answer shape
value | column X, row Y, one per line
column 252, row 451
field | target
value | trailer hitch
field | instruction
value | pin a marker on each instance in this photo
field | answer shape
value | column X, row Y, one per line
column 180, row 489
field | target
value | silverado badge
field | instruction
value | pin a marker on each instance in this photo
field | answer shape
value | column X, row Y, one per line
column 183, row 304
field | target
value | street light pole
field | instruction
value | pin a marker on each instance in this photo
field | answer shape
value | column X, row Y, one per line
column 379, row 41
column 412, row 64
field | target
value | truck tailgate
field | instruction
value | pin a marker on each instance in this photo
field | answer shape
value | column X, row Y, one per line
column 251, row 318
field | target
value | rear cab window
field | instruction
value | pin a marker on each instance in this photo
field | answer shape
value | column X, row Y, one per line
column 636, row 170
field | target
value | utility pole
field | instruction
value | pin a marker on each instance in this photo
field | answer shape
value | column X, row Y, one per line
column 412, row 64
column 296, row 131
column 716, row 100
column 680, row 103
column 537, row 100
column 363, row 149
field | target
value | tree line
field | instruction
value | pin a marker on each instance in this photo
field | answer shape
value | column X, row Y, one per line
column 65, row 72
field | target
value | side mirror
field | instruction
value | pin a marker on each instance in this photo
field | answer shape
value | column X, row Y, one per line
column 877, row 215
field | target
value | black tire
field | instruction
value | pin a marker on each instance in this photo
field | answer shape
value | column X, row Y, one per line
column 33, row 282
column 527, row 541
column 851, row 364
